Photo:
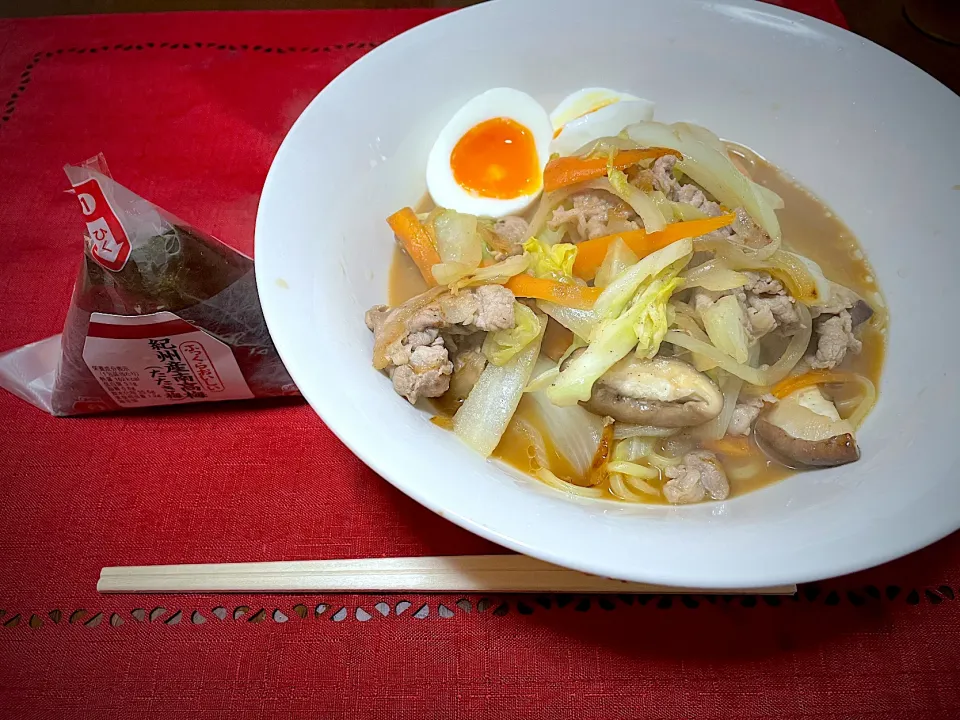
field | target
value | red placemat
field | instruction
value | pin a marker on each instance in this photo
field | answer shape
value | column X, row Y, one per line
column 189, row 110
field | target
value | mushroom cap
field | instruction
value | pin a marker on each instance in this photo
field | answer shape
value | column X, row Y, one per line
column 804, row 430
column 664, row 392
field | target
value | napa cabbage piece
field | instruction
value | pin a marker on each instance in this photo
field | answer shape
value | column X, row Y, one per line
column 458, row 243
column 726, row 325
column 705, row 161
column 620, row 291
column 502, row 345
column 457, row 237
column 574, row 432
column 630, row 313
column 653, row 323
column 618, row 258
column 554, row 262
column 642, row 325
column 483, row 418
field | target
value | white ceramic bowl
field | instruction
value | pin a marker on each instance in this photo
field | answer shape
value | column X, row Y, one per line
column 865, row 130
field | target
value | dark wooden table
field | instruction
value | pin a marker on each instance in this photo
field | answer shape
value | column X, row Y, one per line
column 882, row 21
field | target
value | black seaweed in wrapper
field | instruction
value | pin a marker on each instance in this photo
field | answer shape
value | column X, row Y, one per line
column 176, row 269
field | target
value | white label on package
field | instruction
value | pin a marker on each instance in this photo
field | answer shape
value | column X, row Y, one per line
column 160, row 359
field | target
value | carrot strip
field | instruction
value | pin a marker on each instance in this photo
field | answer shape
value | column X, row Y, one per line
column 416, row 241
column 790, row 385
column 564, row 171
column 567, row 294
column 590, row 253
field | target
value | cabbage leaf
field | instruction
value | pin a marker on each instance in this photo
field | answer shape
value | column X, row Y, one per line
column 726, row 326
column 502, row 345
column 642, row 324
column 554, row 262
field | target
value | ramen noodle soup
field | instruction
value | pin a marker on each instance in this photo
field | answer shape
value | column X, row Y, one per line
column 628, row 310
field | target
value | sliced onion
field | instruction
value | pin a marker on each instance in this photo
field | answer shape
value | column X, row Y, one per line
column 706, row 162
column 549, row 202
column 824, row 288
column 735, row 252
column 535, row 438
column 622, row 431
column 446, row 273
column 498, row 273
column 730, row 386
column 689, row 323
column 574, row 432
column 683, row 310
column 864, row 405
column 714, row 275
column 802, row 277
column 762, row 378
column 769, row 196
column 633, row 449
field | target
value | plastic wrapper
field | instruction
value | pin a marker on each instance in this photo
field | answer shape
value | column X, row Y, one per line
column 161, row 314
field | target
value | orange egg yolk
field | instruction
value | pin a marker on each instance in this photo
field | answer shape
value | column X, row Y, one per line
column 497, row 159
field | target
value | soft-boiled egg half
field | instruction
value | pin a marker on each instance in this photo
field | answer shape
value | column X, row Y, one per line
column 489, row 159
column 593, row 113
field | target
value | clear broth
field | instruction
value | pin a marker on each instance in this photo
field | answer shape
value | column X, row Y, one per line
column 810, row 228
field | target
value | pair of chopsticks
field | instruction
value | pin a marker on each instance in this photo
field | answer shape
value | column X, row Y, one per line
column 452, row 574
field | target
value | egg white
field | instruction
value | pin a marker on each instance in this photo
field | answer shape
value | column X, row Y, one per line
column 498, row 102
column 583, row 102
column 582, row 124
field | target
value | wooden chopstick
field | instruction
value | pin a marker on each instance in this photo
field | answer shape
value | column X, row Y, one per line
column 451, row 574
